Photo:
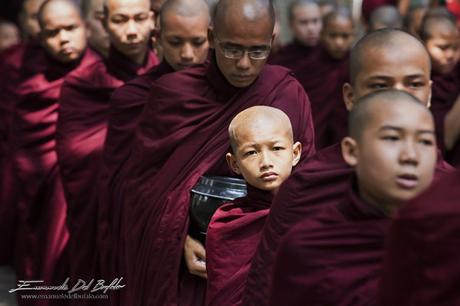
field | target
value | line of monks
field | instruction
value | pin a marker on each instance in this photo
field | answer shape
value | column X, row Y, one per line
column 342, row 143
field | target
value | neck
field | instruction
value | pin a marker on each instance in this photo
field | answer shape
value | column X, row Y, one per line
column 389, row 208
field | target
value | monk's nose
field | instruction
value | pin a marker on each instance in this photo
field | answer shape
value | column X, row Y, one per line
column 409, row 153
column 187, row 53
column 131, row 29
column 244, row 62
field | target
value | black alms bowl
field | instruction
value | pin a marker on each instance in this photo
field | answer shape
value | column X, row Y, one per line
column 208, row 194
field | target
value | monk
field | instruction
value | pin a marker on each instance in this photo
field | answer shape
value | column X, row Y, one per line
column 184, row 26
column 382, row 59
column 9, row 35
column 98, row 38
column 386, row 16
column 182, row 135
column 335, row 256
column 305, row 21
column 442, row 40
column 264, row 153
column 83, row 117
column 323, row 74
column 421, row 264
column 38, row 196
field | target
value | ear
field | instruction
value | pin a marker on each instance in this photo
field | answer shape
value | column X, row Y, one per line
column 296, row 153
column 431, row 92
column 231, row 161
column 211, row 38
column 349, row 151
column 348, row 95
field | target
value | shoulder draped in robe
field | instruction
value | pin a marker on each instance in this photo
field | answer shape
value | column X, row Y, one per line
column 41, row 208
column 292, row 54
column 231, row 240
column 319, row 181
column 332, row 258
column 421, row 265
column 81, row 132
column 17, row 63
column 445, row 90
column 181, row 136
column 125, row 107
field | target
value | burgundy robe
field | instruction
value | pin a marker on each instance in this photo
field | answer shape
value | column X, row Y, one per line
column 319, row 181
column 445, row 90
column 332, row 258
column 17, row 63
column 292, row 54
column 81, row 134
column 183, row 135
column 41, row 208
column 126, row 105
column 421, row 264
column 232, row 237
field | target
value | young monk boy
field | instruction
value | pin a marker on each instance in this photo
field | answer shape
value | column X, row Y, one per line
column 334, row 257
column 442, row 40
column 263, row 152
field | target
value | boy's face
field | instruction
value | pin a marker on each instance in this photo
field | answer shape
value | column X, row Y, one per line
column 391, row 69
column 443, row 47
column 395, row 155
column 264, row 154
column 306, row 24
column 337, row 37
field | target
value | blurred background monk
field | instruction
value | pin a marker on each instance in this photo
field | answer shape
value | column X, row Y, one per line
column 421, row 264
column 386, row 16
column 38, row 196
column 98, row 39
column 183, row 36
column 82, row 123
column 9, row 35
column 182, row 135
column 382, row 59
column 334, row 257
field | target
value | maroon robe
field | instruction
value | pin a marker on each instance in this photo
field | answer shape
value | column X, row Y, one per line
column 445, row 90
column 183, row 135
column 231, row 240
column 334, row 257
column 321, row 180
column 126, row 105
column 17, row 63
column 292, row 54
column 81, row 134
column 41, row 208
column 421, row 264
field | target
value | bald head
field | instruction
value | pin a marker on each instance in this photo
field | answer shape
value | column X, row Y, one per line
column 184, row 9
column 385, row 40
column 48, row 8
column 386, row 16
column 9, row 34
column 28, row 17
column 229, row 12
column 436, row 25
column 308, row 4
column 257, row 117
column 363, row 111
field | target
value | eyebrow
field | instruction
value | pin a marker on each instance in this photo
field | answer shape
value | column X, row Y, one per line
column 399, row 129
column 233, row 45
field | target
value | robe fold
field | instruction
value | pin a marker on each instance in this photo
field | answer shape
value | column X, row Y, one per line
column 332, row 258
column 125, row 107
column 445, row 90
column 421, row 265
column 292, row 54
column 17, row 63
column 232, row 237
column 319, row 181
column 183, row 135
column 39, row 201
column 81, row 131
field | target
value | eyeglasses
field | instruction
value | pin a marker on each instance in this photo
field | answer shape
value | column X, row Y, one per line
column 232, row 52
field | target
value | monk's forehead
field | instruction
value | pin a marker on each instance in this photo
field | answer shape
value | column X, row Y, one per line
column 441, row 28
column 59, row 8
column 114, row 5
column 32, row 6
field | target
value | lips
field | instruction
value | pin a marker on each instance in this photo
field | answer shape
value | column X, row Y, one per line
column 407, row 181
column 269, row 176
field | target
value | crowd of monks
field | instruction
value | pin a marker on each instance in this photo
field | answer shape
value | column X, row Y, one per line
column 347, row 137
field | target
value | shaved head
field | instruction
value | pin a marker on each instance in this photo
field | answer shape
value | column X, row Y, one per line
column 438, row 24
column 49, row 6
column 386, row 16
column 28, row 17
column 300, row 3
column 385, row 40
column 257, row 116
column 184, row 8
column 227, row 12
column 362, row 112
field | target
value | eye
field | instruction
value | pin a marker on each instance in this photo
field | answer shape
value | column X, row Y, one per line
column 426, row 142
column 198, row 43
column 278, row 148
column 141, row 17
column 250, row 153
column 417, row 84
column 378, row 86
column 390, row 138
column 175, row 43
